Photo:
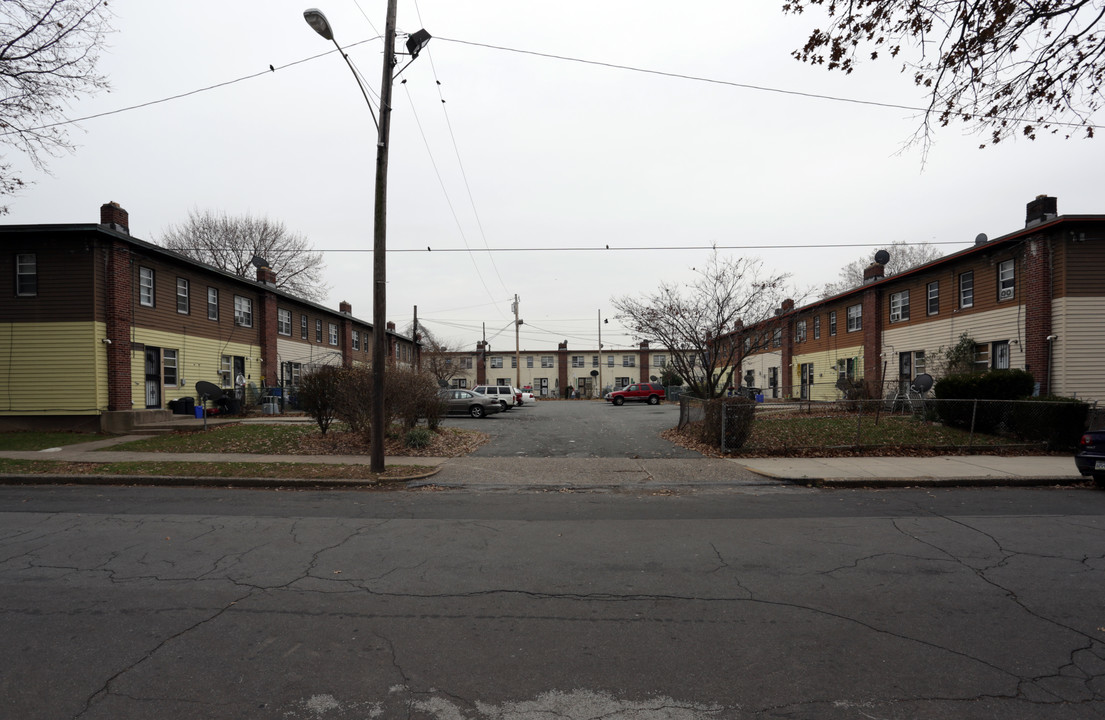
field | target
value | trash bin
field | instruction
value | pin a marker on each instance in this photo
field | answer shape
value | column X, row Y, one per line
column 199, row 411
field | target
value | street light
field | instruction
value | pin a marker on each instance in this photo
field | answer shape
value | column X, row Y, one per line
column 415, row 44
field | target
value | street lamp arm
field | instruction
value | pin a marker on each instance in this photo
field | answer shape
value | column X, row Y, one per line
column 360, row 84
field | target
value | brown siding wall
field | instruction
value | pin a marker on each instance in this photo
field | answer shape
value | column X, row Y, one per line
column 1083, row 262
column 66, row 279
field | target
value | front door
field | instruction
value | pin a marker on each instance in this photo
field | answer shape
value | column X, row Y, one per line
column 905, row 372
column 542, row 387
column 773, row 381
column 153, row 377
column 806, row 378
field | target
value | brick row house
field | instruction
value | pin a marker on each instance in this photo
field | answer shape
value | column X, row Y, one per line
column 99, row 329
column 549, row 374
column 1033, row 299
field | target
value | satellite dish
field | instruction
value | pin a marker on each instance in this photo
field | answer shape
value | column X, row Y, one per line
column 882, row 257
column 594, row 373
column 653, row 378
column 981, row 239
column 922, row 383
column 259, row 262
column 208, row 391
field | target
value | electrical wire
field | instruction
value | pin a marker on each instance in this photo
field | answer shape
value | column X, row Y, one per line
column 448, row 201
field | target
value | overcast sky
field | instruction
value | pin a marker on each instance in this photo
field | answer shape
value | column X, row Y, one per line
column 541, row 160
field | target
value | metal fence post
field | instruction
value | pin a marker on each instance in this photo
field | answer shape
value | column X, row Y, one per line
column 974, row 411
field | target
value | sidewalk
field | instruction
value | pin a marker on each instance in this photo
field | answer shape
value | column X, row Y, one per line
column 527, row 473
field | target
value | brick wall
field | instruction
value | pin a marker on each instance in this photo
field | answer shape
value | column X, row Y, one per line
column 1037, row 323
column 120, row 317
column 872, row 336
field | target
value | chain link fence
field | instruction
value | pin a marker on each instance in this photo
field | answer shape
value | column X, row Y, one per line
column 899, row 423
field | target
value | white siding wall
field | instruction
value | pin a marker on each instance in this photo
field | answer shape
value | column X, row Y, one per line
column 1078, row 360
column 987, row 327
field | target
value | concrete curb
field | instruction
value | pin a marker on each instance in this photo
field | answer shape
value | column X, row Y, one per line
column 852, row 482
column 222, row 482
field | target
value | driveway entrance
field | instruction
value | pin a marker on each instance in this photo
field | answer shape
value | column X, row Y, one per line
column 579, row 428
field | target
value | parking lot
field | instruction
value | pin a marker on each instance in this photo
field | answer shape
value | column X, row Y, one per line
column 579, row 429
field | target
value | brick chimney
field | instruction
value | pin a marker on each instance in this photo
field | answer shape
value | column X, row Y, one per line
column 115, row 217
column 1041, row 210
column 266, row 276
column 873, row 272
column 345, row 308
column 390, row 326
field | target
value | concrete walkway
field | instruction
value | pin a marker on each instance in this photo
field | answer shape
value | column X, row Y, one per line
column 610, row 473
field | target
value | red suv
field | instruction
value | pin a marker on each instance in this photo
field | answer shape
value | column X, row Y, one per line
column 652, row 393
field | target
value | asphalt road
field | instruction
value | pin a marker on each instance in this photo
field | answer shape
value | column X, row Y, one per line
column 121, row 603
column 579, row 429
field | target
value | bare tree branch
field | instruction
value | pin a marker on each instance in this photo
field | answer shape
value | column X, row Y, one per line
column 230, row 243
column 49, row 50
column 1005, row 67
column 696, row 322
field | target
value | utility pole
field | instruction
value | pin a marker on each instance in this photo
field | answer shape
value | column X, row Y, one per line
column 599, row 393
column 517, row 350
column 414, row 339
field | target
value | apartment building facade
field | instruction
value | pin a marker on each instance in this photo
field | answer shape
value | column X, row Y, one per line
column 1033, row 299
column 99, row 329
column 549, row 374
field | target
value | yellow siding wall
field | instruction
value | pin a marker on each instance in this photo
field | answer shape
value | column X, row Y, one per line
column 1078, row 355
column 53, row 368
column 197, row 359
column 825, row 371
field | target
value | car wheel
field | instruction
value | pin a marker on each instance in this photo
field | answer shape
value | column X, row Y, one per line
column 619, row 400
column 653, row 400
column 476, row 411
column 503, row 405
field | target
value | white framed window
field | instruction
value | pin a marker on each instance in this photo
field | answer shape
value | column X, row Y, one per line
column 967, row 289
column 169, row 367
column 333, row 333
column 621, row 382
column 318, row 331
column 629, row 361
column 243, row 311
column 466, row 363
column 800, row 331
column 899, row 306
column 832, row 322
column 145, row 286
column 816, row 327
column 932, row 299
column 777, row 338
column 182, row 296
column 283, row 321
column 594, row 361
column 26, row 275
column 356, row 340
column 303, row 327
column 212, row 303
column 547, row 361
column 855, row 318
column 529, row 361
column 226, row 367
column 513, row 362
column 661, row 360
column 577, row 361
column 1005, row 280
column 496, row 363
column 609, row 361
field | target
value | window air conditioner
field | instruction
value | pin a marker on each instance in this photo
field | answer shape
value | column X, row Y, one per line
column 1005, row 294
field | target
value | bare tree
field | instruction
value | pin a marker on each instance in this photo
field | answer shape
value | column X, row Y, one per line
column 997, row 65
column 48, row 55
column 903, row 257
column 698, row 322
column 438, row 355
column 230, row 243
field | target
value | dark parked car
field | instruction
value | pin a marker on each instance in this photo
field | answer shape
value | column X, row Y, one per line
column 1091, row 456
column 466, row 402
column 652, row 393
